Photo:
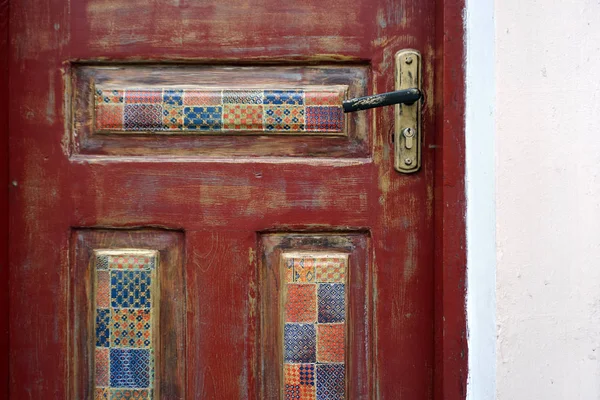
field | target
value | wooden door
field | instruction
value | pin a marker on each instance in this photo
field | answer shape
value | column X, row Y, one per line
column 192, row 216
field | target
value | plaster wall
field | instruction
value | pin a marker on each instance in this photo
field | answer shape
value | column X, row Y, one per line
column 547, row 201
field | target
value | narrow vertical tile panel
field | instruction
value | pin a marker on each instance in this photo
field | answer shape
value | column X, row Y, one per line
column 314, row 334
column 206, row 110
column 126, row 287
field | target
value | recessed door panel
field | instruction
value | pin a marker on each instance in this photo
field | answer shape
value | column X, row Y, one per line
column 210, row 111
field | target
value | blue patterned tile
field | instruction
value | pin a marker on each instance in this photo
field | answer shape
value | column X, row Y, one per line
column 331, row 382
column 129, row 368
column 332, row 302
column 300, row 343
column 281, row 97
column 173, row 97
column 130, row 289
column 102, row 327
column 324, row 119
column 202, row 118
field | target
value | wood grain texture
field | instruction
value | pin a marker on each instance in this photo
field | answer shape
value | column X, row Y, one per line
column 4, row 206
column 221, row 203
column 169, row 348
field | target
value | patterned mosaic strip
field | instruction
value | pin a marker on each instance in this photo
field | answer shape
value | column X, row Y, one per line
column 213, row 110
column 314, row 336
column 125, row 326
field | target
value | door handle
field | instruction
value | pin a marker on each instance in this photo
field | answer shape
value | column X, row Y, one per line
column 407, row 121
column 405, row 96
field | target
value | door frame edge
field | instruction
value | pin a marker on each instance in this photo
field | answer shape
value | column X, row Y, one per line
column 450, row 368
column 4, row 216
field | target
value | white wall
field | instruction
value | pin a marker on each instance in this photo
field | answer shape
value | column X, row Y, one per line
column 480, row 179
column 547, row 199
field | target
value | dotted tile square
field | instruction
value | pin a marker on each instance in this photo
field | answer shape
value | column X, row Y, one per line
column 130, row 327
column 308, row 392
column 133, row 96
column 300, row 381
column 284, row 118
column 292, row 392
column 331, row 300
column 300, row 343
column 324, row 119
column 102, row 360
column 102, row 327
column 129, row 368
column 331, row 270
column 284, row 97
column 172, row 118
column 331, row 381
column 173, row 97
column 142, row 117
column 299, row 374
column 109, row 96
column 109, row 117
column 206, row 118
column 330, row 343
column 202, row 98
column 301, row 303
column 243, row 117
column 130, row 289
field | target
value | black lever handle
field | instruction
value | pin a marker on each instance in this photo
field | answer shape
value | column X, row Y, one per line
column 405, row 96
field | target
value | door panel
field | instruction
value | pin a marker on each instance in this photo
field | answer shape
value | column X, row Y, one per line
column 191, row 111
column 316, row 333
column 232, row 205
column 128, row 314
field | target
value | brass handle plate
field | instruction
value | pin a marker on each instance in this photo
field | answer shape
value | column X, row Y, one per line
column 407, row 133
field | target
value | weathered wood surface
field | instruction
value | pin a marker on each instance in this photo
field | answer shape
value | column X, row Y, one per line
column 221, row 204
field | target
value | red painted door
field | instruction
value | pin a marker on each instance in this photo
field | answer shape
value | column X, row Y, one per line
column 192, row 216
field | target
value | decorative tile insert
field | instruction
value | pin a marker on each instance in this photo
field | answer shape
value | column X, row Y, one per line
column 169, row 110
column 314, row 334
column 125, row 291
